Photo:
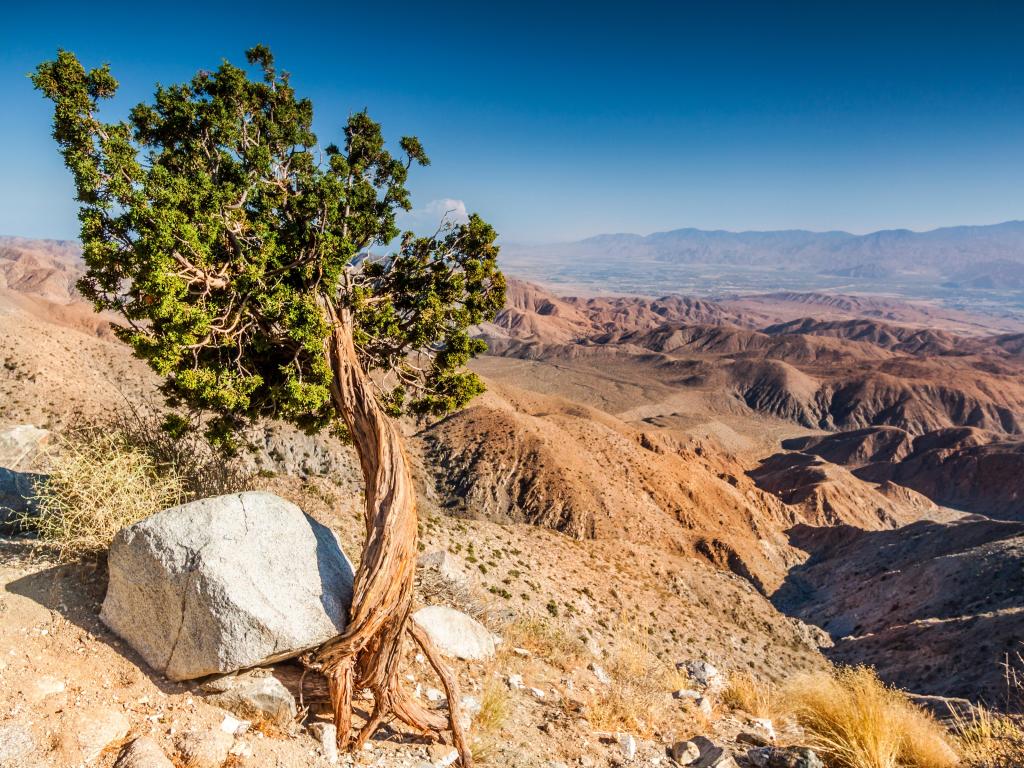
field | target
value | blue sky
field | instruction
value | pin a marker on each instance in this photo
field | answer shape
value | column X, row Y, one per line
column 562, row 120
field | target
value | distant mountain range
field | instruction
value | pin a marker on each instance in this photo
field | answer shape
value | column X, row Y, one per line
column 979, row 256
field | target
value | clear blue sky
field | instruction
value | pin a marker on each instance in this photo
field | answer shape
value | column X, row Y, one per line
column 559, row 120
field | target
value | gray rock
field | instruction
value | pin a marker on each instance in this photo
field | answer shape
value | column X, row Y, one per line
column 20, row 444
column 685, row 752
column 204, row 749
column 784, row 757
column 15, row 742
column 703, row 674
column 17, row 490
column 261, row 698
column 712, row 755
column 226, row 583
column 327, row 735
column 455, row 634
column 142, row 752
column 627, row 745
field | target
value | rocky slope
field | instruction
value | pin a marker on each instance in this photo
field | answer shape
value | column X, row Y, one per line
column 934, row 606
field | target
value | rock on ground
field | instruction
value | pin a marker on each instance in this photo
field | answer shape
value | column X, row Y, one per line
column 226, row 583
column 16, row 492
column 20, row 443
column 455, row 634
column 95, row 730
column 255, row 698
column 142, row 752
column 204, row 749
column 15, row 742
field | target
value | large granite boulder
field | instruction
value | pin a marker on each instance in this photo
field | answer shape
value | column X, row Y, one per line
column 226, row 583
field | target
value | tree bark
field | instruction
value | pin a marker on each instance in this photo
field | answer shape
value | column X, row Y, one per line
column 367, row 654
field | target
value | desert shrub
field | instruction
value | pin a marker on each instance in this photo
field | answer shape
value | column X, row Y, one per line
column 744, row 691
column 495, row 706
column 96, row 486
column 638, row 698
column 202, row 470
column 111, row 472
column 856, row 721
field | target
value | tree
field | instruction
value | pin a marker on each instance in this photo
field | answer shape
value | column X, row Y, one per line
column 235, row 250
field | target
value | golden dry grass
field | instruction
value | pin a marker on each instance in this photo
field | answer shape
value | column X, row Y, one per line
column 990, row 740
column 639, row 697
column 745, row 692
column 551, row 643
column 97, row 485
column 856, row 721
column 486, row 733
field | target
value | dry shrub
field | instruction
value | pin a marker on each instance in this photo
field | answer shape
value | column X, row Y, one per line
column 202, row 470
column 547, row 641
column 743, row 691
column 856, row 721
column 97, row 485
column 110, row 473
column 638, row 699
column 990, row 740
column 495, row 706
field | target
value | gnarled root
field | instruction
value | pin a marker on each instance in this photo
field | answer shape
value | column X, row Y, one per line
column 391, row 701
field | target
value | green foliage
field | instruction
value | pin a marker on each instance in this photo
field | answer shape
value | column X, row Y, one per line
column 221, row 233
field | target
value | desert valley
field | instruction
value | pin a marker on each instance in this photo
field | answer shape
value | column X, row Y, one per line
column 766, row 482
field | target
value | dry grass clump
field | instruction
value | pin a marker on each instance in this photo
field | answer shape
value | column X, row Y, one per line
column 638, row 699
column 495, row 706
column 990, row 740
column 856, row 721
column 743, row 691
column 111, row 473
column 97, row 485
column 545, row 640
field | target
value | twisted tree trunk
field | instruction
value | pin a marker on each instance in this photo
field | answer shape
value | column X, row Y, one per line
column 367, row 654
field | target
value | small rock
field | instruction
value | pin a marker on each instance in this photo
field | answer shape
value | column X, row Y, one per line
column 537, row 693
column 240, row 749
column 205, row 749
column 46, row 685
column 20, row 443
column 627, row 744
column 556, row 764
column 15, row 742
column 142, row 752
column 704, row 705
column 327, row 735
column 712, row 755
column 599, row 673
column 455, row 634
column 254, row 698
column 442, row 755
column 95, row 730
column 703, row 674
column 521, row 653
column 686, row 693
column 515, row 682
column 444, row 565
column 685, row 752
column 234, row 726
column 433, row 695
column 753, row 739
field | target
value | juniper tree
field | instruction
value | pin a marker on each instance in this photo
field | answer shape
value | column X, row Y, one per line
column 234, row 248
